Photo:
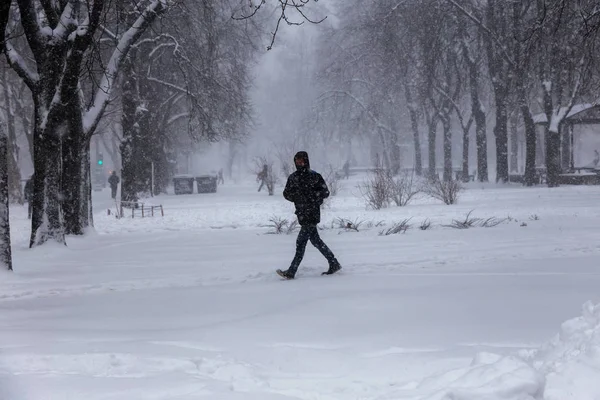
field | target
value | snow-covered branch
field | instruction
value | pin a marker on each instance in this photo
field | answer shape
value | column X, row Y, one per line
column 106, row 86
column 18, row 64
column 177, row 117
column 67, row 22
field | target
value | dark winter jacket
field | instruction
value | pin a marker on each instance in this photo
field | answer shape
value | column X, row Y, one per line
column 307, row 190
column 113, row 180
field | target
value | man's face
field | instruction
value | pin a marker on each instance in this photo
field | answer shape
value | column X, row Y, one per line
column 299, row 162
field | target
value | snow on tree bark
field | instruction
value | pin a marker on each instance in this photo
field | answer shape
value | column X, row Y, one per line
column 5, row 245
column 47, row 221
column 72, row 171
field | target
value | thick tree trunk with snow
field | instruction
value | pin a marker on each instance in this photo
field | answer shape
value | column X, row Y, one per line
column 447, row 148
column 5, row 246
column 47, row 219
column 72, row 174
column 136, row 147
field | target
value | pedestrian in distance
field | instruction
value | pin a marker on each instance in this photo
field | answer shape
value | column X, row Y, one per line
column 307, row 190
column 113, row 181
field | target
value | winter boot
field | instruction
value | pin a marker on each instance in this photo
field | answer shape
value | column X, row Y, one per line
column 333, row 268
column 285, row 274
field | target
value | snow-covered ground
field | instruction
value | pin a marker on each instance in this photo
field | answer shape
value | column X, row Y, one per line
column 187, row 306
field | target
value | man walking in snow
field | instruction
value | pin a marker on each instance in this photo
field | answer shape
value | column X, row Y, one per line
column 29, row 196
column 113, row 181
column 307, row 190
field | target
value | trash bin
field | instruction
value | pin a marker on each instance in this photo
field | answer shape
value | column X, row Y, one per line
column 183, row 184
column 206, row 183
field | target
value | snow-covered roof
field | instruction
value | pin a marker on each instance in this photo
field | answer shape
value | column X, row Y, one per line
column 578, row 108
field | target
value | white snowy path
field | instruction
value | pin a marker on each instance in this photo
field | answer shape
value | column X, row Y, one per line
column 172, row 309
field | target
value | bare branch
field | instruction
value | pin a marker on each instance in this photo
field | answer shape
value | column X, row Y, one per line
column 18, row 64
column 487, row 31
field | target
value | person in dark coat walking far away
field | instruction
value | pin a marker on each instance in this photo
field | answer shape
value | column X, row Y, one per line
column 307, row 190
column 113, row 181
column 29, row 196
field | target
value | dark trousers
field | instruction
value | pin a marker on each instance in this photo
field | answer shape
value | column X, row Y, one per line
column 113, row 192
column 310, row 233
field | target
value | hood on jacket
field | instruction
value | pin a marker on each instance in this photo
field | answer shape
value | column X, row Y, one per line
column 302, row 155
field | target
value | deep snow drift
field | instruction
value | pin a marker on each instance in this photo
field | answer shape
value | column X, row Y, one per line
column 188, row 306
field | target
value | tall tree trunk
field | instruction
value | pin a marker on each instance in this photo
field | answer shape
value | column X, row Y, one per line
column 447, row 148
column 499, row 73
column 414, row 120
column 136, row 147
column 85, row 209
column 566, row 133
column 129, row 191
column 530, row 145
column 481, row 142
column 478, row 115
column 433, row 122
column 465, row 155
column 514, row 143
column 501, row 133
column 14, row 174
column 522, row 59
column 72, row 173
column 395, row 152
column 5, row 245
column 47, row 217
column 552, row 137
column 384, row 149
column 552, row 157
